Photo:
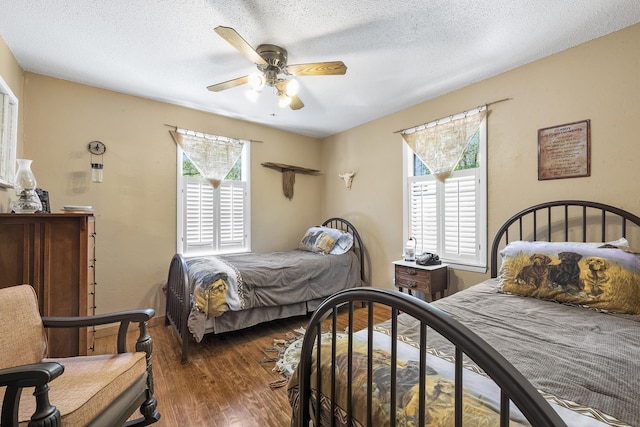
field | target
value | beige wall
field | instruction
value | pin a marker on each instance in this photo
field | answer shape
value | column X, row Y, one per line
column 13, row 76
column 136, row 203
column 136, row 210
column 597, row 81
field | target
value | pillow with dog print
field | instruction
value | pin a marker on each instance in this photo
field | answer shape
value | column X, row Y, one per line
column 601, row 276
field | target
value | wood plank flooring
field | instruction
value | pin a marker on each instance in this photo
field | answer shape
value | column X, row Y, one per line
column 225, row 384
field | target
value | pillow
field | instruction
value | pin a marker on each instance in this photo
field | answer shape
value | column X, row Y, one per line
column 319, row 240
column 343, row 244
column 604, row 277
column 326, row 240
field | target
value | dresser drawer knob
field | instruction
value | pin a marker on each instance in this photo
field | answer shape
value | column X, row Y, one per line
column 411, row 271
column 411, row 284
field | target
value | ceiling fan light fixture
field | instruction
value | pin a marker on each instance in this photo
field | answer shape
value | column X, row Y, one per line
column 274, row 70
column 283, row 100
column 252, row 95
column 292, row 87
column 257, row 81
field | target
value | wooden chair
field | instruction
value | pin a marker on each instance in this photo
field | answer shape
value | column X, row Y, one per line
column 100, row 390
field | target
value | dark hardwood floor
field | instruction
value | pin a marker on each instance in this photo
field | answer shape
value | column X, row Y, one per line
column 225, row 383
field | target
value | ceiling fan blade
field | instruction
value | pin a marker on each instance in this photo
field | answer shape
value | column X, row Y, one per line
column 317, row 69
column 296, row 103
column 236, row 40
column 228, row 84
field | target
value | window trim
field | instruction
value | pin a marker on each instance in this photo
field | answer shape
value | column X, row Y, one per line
column 246, row 174
column 480, row 266
column 8, row 136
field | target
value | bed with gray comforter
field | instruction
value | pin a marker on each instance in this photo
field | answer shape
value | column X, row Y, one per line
column 215, row 294
column 556, row 328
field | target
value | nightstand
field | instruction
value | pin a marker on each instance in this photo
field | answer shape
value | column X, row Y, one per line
column 428, row 279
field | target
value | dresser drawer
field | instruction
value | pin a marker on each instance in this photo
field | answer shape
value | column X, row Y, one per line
column 428, row 280
column 413, row 278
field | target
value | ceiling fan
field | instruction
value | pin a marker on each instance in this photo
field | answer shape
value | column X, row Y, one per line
column 273, row 70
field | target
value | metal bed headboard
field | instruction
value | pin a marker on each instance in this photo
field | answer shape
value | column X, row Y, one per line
column 564, row 221
column 358, row 247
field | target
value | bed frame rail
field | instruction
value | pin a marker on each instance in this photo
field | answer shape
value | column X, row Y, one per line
column 179, row 302
column 514, row 386
column 566, row 221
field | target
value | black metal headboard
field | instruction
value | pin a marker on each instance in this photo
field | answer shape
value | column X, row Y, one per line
column 564, row 221
column 358, row 247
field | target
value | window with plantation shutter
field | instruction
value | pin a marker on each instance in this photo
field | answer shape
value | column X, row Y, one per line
column 448, row 217
column 213, row 220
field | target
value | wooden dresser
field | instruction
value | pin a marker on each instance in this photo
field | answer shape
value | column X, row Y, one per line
column 55, row 253
column 427, row 279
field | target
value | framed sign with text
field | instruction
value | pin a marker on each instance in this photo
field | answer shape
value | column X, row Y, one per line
column 564, row 151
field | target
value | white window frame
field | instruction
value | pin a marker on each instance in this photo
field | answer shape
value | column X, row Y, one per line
column 476, row 262
column 218, row 240
column 8, row 134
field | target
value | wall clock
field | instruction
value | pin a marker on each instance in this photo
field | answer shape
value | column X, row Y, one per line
column 97, row 148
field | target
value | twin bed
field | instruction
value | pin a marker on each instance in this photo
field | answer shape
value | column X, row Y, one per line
column 208, row 295
column 551, row 339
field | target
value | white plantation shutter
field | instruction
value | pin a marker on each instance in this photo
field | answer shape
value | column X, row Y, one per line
column 214, row 219
column 424, row 214
column 199, row 205
column 460, row 219
column 232, row 232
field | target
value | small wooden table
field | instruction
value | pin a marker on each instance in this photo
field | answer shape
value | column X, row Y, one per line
column 428, row 279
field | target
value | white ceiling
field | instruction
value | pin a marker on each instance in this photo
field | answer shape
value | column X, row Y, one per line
column 398, row 52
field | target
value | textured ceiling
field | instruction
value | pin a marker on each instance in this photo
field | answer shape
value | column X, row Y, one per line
column 398, row 53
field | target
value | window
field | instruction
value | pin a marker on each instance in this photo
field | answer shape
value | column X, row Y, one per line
column 8, row 134
column 213, row 220
column 449, row 218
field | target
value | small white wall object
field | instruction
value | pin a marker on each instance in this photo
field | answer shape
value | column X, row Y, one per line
column 347, row 177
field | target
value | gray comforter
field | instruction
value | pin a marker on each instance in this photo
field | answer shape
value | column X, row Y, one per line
column 573, row 353
column 286, row 277
column 246, row 281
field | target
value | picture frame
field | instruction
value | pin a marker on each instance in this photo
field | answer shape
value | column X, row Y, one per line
column 43, row 195
column 564, row 151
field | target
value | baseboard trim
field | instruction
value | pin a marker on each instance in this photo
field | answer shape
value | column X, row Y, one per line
column 111, row 330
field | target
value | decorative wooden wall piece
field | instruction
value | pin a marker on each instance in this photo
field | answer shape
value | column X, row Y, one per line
column 289, row 175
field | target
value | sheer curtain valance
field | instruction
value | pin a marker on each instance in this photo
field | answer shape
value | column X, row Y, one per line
column 441, row 144
column 212, row 155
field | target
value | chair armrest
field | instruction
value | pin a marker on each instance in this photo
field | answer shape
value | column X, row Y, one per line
column 138, row 315
column 30, row 375
column 36, row 375
column 141, row 316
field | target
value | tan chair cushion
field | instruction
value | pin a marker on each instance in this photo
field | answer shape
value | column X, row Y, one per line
column 22, row 339
column 87, row 386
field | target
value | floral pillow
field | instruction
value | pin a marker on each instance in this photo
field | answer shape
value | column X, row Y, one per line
column 601, row 276
column 326, row 240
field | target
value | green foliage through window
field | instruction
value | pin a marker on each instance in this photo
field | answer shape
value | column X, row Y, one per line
column 189, row 169
column 469, row 159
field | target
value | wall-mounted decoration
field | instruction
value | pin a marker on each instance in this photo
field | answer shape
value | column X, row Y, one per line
column 97, row 148
column 289, row 175
column 347, row 177
column 564, row 151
